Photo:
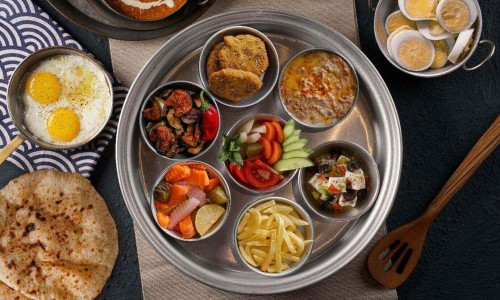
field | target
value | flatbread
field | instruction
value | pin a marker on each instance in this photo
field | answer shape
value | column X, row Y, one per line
column 57, row 238
column 8, row 293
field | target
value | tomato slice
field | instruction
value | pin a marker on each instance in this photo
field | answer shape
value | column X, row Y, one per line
column 260, row 177
column 262, row 164
column 238, row 173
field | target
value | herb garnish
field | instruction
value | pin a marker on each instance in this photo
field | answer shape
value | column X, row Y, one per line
column 231, row 150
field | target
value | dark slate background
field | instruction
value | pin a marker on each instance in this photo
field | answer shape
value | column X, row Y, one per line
column 441, row 120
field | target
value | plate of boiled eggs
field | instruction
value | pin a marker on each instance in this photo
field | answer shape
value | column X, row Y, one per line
column 428, row 38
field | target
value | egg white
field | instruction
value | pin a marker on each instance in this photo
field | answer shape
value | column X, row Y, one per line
column 91, row 105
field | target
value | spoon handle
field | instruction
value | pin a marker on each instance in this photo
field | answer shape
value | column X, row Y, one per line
column 483, row 148
column 11, row 147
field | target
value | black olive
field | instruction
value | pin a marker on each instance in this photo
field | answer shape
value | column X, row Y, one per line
column 314, row 169
column 350, row 194
column 323, row 169
column 326, row 204
column 361, row 194
column 352, row 166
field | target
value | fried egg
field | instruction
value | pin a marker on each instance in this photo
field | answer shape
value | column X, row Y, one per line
column 456, row 15
column 397, row 20
column 418, row 10
column 66, row 99
column 412, row 50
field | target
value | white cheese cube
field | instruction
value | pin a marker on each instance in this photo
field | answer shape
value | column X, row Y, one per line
column 344, row 202
column 357, row 179
column 338, row 183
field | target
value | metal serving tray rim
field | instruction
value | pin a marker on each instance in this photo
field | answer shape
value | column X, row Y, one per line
column 369, row 224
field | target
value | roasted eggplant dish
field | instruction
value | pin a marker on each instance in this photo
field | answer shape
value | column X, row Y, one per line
column 180, row 121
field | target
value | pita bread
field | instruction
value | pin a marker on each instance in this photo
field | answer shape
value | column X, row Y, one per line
column 57, row 238
column 7, row 293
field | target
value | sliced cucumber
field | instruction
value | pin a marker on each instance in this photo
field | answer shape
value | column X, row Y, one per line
column 292, row 164
column 289, row 127
column 297, row 153
column 295, row 136
column 295, row 145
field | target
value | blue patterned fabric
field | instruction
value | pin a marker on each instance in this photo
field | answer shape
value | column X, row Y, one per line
column 26, row 28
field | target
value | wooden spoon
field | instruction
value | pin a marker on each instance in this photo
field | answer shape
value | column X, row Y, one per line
column 394, row 257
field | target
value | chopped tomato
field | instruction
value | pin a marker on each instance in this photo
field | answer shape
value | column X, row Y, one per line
column 276, row 153
column 278, row 130
column 238, row 173
column 337, row 207
column 262, row 164
column 332, row 189
column 322, row 177
column 259, row 177
column 267, row 150
column 342, row 169
column 270, row 132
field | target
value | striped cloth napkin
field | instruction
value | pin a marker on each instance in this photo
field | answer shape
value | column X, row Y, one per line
column 24, row 29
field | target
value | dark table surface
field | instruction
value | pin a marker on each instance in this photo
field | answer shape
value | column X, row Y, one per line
column 441, row 120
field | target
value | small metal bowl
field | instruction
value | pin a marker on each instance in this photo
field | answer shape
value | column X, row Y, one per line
column 309, row 127
column 16, row 109
column 245, row 188
column 185, row 85
column 308, row 235
column 212, row 173
column 386, row 7
column 269, row 78
column 369, row 167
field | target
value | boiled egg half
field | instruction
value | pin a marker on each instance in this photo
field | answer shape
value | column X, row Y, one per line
column 418, row 10
column 412, row 50
column 456, row 15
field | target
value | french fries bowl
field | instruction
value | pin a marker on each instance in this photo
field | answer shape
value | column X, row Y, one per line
column 262, row 226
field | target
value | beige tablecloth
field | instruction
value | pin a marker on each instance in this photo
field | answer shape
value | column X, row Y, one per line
column 159, row 279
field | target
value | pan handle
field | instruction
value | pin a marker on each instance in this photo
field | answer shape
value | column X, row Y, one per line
column 10, row 147
column 371, row 6
column 492, row 51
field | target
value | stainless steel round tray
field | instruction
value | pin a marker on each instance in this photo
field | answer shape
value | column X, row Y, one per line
column 373, row 124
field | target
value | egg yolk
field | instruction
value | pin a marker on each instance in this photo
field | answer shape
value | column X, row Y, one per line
column 455, row 14
column 63, row 125
column 44, row 87
column 398, row 20
column 414, row 54
column 421, row 8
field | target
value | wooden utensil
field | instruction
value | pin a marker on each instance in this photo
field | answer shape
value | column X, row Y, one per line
column 394, row 257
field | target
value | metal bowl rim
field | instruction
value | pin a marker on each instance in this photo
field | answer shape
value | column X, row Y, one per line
column 424, row 74
column 246, row 189
column 300, row 210
column 311, row 126
column 13, row 88
column 226, row 212
column 368, row 159
column 143, row 129
column 202, row 65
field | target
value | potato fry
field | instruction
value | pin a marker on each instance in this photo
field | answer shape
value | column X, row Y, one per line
column 259, row 253
column 297, row 221
column 265, row 205
column 248, row 258
column 243, row 222
column 288, row 242
column 274, row 269
column 290, row 257
column 281, row 208
column 270, row 254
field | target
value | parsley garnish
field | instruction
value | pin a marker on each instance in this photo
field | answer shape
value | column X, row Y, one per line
column 231, row 150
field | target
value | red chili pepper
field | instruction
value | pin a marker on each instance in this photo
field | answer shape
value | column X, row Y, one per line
column 209, row 120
